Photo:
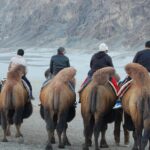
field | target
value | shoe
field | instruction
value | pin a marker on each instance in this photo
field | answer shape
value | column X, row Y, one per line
column 32, row 98
column 75, row 104
column 117, row 105
column 79, row 101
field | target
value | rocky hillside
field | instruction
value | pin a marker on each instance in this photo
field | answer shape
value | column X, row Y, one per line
column 74, row 23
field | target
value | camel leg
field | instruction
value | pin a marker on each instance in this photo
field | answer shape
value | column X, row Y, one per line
column 17, row 119
column 91, row 131
column 8, row 130
column 50, row 128
column 88, row 130
column 50, row 135
column 65, row 138
column 60, row 127
column 18, row 133
column 53, row 139
column 139, row 137
column 10, row 121
column 135, row 146
column 4, row 126
column 103, row 143
column 126, row 136
column 145, row 139
column 138, row 134
column 97, row 127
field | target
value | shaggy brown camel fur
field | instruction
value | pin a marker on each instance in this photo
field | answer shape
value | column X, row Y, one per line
column 136, row 104
column 14, row 103
column 97, row 101
column 56, row 99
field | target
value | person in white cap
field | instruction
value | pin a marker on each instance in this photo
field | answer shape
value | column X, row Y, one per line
column 99, row 60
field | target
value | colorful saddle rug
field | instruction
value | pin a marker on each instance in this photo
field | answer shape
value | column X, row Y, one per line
column 113, row 83
column 113, row 87
column 124, row 88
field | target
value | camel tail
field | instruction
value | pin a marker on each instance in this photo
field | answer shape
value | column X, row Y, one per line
column 56, row 99
column 146, row 109
column 93, row 99
column 9, row 99
column 146, row 122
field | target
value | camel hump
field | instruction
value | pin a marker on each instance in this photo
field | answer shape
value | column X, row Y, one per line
column 138, row 73
column 66, row 74
column 101, row 76
column 16, row 72
column 18, row 68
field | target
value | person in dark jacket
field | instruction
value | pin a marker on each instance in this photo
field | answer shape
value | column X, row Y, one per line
column 143, row 58
column 99, row 60
column 59, row 61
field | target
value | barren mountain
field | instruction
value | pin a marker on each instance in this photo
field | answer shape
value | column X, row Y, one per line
column 74, row 23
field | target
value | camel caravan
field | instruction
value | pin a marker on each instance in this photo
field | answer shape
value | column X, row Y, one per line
column 98, row 97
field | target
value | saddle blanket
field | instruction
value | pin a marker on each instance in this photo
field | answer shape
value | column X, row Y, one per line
column 26, row 86
column 124, row 88
column 113, row 83
column 113, row 87
column 45, row 83
column 71, row 86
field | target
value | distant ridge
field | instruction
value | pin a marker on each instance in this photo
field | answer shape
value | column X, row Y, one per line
column 122, row 24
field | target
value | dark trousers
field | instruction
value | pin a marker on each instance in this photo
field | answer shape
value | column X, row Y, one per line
column 28, row 83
